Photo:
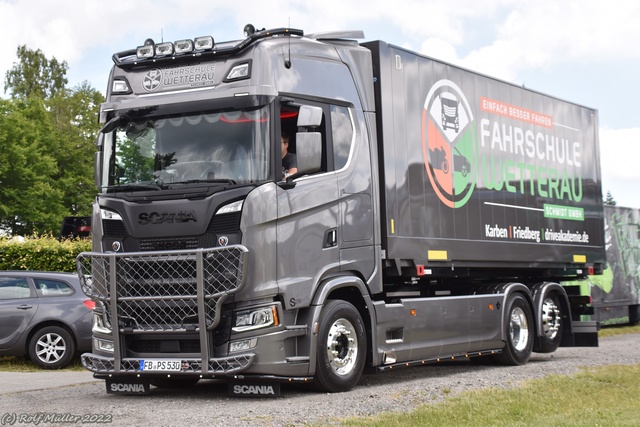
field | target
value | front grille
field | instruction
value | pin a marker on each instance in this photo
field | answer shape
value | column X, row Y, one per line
column 164, row 291
column 114, row 228
column 225, row 224
column 164, row 346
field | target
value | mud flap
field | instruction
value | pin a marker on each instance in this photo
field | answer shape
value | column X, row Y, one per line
column 127, row 386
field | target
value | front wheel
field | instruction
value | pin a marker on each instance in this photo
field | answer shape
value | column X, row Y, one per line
column 52, row 347
column 342, row 345
column 519, row 332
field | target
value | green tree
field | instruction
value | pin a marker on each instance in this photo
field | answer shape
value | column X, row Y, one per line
column 46, row 141
column 35, row 75
column 609, row 200
column 29, row 200
column 75, row 122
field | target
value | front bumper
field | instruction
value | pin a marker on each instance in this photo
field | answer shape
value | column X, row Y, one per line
column 215, row 367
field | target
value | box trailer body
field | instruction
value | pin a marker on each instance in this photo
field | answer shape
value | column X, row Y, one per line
column 433, row 215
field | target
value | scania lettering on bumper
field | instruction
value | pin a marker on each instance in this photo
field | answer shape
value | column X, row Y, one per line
column 122, row 386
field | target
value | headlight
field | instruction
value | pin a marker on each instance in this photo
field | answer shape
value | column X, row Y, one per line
column 111, row 215
column 231, row 207
column 101, row 322
column 255, row 319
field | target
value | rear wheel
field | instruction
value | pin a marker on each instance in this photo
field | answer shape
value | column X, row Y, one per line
column 552, row 326
column 519, row 332
column 342, row 345
column 52, row 347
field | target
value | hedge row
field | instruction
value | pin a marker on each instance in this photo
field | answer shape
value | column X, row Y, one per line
column 44, row 253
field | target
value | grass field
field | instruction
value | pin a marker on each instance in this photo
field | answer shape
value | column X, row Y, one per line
column 605, row 396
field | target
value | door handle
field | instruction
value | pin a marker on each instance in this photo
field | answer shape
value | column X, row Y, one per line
column 24, row 307
column 330, row 238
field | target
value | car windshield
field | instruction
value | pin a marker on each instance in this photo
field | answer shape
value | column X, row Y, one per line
column 214, row 146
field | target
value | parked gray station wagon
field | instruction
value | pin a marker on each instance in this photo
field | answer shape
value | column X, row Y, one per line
column 44, row 315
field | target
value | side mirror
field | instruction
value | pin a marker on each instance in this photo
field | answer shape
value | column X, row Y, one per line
column 308, row 151
column 309, row 117
column 97, row 168
column 308, row 156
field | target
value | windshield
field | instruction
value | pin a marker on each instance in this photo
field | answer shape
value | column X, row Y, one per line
column 153, row 152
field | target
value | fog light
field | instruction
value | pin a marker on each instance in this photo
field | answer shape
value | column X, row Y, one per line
column 242, row 345
column 103, row 345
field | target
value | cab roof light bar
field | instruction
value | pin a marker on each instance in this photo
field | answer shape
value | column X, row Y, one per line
column 201, row 47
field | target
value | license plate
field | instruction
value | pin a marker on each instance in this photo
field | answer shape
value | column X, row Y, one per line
column 162, row 365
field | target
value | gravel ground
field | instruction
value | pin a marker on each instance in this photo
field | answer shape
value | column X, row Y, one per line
column 207, row 403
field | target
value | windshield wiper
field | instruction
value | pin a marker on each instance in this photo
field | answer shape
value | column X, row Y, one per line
column 133, row 187
column 199, row 181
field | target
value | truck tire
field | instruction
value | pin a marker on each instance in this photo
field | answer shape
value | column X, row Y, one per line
column 52, row 347
column 342, row 347
column 519, row 332
column 552, row 325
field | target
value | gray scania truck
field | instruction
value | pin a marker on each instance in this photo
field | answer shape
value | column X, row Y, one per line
column 432, row 217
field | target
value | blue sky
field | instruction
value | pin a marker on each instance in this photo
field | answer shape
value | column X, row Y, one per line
column 584, row 51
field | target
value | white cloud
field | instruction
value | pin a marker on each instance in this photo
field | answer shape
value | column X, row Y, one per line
column 501, row 38
column 619, row 154
column 535, row 35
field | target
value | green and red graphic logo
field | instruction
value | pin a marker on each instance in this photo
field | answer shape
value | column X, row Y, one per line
column 449, row 144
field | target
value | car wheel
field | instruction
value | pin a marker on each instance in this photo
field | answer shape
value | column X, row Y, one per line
column 52, row 347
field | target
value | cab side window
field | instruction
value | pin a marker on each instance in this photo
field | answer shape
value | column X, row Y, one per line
column 336, row 129
column 342, row 135
column 289, row 126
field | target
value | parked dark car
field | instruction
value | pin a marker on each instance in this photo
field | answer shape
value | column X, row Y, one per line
column 44, row 315
column 75, row 226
